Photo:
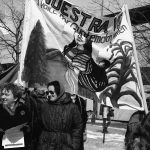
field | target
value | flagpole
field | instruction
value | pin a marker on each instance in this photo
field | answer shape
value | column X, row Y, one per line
column 136, row 61
column 39, row 1
column 102, row 8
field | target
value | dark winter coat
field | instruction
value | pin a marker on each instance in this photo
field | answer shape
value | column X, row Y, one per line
column 61, row 124
column 7, row 121
column 81, row 103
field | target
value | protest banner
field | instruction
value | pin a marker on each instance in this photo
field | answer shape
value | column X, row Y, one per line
column 53, row 25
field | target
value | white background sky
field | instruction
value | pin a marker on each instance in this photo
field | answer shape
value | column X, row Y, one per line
column 111, row 4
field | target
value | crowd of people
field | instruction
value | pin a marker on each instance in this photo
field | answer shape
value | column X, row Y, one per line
column 51, row 119
column 56, row 120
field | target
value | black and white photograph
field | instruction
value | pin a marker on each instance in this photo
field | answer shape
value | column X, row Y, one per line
column 74, row 75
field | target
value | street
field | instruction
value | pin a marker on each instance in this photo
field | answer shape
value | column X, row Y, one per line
column 114, row 139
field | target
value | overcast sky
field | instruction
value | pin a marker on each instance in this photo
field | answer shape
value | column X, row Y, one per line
column 111, row 4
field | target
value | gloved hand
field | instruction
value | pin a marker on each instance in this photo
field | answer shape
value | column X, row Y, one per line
column 2, row 132
column 25, row 129
column 85, row 136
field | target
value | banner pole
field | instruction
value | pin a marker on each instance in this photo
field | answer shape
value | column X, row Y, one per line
column 136, row 61
column 38, row 2
column 102, row 8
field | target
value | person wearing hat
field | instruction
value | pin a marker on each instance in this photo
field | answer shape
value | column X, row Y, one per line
column 59, row 119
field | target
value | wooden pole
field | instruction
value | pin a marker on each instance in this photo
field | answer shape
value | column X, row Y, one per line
column 38, row 2
column 102, row 8
column 137, row 64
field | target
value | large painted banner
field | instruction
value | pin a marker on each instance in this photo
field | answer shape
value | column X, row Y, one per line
column 93, row 57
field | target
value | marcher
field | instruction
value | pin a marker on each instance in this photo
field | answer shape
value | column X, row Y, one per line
column 107, row 112
column 60, row 120
column 137, row 131
column 14, row 112
column 81, row 103
column 79, row 55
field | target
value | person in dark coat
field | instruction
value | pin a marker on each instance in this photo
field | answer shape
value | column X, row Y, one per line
column 81, row 103
column 60, row 120
column 133, row 135
column 13, row 112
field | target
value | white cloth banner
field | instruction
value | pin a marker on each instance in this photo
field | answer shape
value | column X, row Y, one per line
column 52, row 26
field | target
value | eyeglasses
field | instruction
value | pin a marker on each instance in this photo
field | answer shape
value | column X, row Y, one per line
column 50, row 92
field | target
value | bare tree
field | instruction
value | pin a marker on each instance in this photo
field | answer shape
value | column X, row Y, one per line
column 12, row 24
column 141, row 32
column 142, row 39
column 104, row 7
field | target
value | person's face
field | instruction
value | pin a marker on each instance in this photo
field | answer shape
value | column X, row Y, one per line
column 52, row 96
column 7, row 97
column 80, row 39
